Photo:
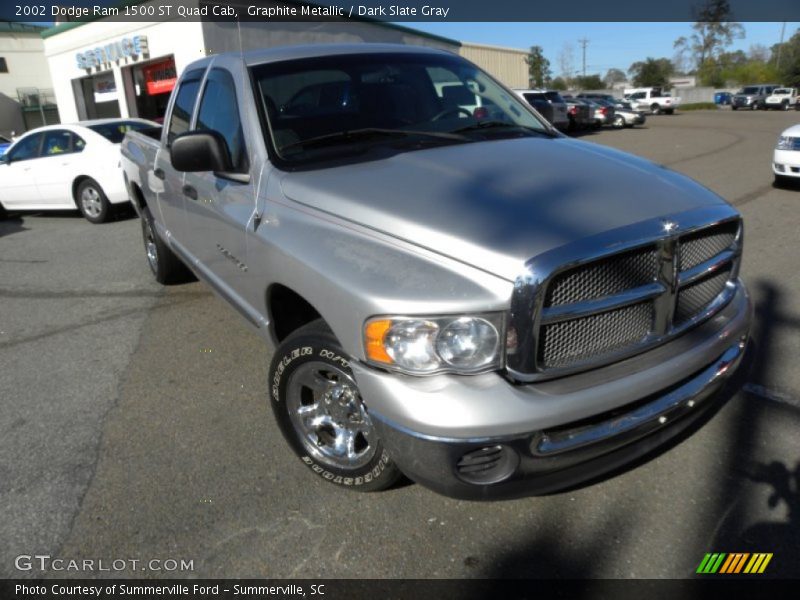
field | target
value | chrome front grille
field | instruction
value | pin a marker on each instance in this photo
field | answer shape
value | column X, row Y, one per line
column 577, row 340
column 581, row 313
column 603, row 278
column 694, row 297
column 698, row 247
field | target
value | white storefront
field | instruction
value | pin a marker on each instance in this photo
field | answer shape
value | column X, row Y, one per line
column 106, row 69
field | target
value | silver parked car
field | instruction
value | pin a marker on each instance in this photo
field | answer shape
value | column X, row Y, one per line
column 627, row 116
column 452, row 291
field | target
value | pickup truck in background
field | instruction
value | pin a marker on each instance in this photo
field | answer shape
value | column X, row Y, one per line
column 782, row 99
column 653, row 99
column 464, row 296
column 752, row 97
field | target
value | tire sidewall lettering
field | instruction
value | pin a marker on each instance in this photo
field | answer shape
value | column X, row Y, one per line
column 285, row 362
column 368, row 477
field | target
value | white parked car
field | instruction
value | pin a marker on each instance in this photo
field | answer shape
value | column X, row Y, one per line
column 67, row 166
column 786, row 159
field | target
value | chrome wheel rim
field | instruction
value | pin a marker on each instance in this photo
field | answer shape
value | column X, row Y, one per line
column 91, row 202
column 150, row 245
column 326, row 411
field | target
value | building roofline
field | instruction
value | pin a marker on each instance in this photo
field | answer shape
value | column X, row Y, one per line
column 493, row 47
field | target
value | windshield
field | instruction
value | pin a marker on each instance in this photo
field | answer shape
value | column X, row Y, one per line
column 749, row 90
column 325, row 107
column 114, row 131
column 781, row 91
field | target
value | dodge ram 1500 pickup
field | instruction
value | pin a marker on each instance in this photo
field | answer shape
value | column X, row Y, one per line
column 457, row 293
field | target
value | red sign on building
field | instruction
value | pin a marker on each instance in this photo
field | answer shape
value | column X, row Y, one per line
column 160, row 77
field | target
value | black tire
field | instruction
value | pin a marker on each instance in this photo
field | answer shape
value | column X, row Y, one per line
column 784, row 182
column 3, row 212
column 619, row 122
column 733, row 107
column 785, row 105
column 92, row 201
column 167, row 268
column 311, row 356
column 754, row 106
column 655, row 108
column 669, row 111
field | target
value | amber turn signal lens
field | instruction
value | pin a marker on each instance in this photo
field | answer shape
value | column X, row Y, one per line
column 374, row 333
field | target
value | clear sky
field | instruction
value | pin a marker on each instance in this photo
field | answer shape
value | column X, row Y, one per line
column 610, row 44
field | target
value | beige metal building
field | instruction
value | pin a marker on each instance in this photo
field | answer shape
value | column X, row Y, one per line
column 506, row 64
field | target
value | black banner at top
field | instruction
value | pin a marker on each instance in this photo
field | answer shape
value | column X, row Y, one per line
column 32, row 11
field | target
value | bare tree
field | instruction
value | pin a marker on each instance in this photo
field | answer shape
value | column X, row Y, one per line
column 758, row 52
column 566, row 60
column 713, row 32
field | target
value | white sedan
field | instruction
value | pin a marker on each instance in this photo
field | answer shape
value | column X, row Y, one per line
column 67, row 166
column 786, row 160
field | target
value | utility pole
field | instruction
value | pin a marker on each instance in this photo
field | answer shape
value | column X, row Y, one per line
column 583, row 42
column 780, row 47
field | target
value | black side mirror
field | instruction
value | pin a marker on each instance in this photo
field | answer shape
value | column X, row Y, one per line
column 195, row 151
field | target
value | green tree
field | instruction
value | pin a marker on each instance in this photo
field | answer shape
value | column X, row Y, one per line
column 559, row 83
column 788, row 67
column 589, row 82
column 713, row 32
column 652, row 72
column 538, row 67
column 614, row 76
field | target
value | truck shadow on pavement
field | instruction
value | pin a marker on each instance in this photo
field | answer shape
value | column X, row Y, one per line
column 779, row 534
column 733, row 494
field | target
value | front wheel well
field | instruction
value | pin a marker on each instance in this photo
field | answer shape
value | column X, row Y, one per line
column 288, row 311
column 136, row 195
column 75, row 185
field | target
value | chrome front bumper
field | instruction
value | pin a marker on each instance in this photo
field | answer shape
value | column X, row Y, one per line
column 466, row 463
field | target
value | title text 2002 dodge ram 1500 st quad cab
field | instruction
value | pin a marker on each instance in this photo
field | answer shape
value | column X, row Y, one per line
column 459, row 294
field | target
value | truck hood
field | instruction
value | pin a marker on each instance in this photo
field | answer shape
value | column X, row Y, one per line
column 496, row 204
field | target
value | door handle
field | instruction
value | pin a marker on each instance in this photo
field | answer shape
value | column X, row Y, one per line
column 190, row 191
column 159, row 172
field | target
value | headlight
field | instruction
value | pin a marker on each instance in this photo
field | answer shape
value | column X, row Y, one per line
column 785, row 142
column 424, row 345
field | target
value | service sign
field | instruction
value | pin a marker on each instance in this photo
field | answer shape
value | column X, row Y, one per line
column 128, row 47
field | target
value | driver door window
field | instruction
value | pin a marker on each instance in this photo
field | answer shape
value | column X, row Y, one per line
column 26, row 149
column 18, row 186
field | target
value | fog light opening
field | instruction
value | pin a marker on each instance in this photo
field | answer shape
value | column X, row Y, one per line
column 487, row 465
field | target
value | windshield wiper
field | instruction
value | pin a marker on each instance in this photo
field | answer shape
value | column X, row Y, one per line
column 366, row 133
column 498, row 124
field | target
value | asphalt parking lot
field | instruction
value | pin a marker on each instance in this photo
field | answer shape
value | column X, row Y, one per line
column 134, row 421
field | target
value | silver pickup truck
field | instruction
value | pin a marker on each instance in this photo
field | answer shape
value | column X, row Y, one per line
column 457, row 293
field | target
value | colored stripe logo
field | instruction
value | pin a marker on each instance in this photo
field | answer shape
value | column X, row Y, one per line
column 734, row 563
